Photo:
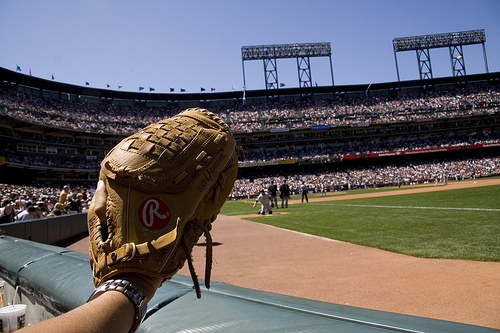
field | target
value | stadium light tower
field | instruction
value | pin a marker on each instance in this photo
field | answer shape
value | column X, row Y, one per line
column 270, row 53
column 453, row 40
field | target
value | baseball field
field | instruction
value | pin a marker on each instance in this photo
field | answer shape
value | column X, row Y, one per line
column 458, row 221
column 429, row 251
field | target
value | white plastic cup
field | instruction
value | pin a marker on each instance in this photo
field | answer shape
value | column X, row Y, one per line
column 12, row 318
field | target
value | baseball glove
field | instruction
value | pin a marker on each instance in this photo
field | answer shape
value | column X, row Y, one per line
column 160, row 190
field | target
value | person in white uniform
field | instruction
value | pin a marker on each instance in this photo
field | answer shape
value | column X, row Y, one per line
column 265, row 203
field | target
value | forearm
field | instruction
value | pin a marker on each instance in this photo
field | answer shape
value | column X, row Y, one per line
column 110, row 312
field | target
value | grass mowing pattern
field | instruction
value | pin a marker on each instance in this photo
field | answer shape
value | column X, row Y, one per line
column 454, row 224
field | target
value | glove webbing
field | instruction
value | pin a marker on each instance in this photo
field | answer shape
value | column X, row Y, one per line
column 208, row 261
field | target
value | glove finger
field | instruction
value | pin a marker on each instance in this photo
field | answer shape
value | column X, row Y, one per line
column 99, row 201
column 97, row 224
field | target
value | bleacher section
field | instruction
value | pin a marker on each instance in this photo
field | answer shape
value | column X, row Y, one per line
column 57, row 133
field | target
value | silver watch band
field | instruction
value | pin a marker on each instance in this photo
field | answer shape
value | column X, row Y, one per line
column 128, row 289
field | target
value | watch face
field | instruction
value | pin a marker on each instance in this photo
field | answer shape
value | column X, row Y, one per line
column 154, row 213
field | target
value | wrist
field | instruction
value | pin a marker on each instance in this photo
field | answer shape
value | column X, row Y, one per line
column 146, row 284
column 135, row 294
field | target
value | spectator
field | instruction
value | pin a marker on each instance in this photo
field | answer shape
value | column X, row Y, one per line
column 5, row 201
column 7, row 215
column 58, row 210
column 29, row 213
column 63, row 196
column 76, row 203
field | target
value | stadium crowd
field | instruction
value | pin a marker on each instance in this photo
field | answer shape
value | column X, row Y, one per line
column 370, row 110
column 23, row 202
column 316, row 153
column 328, row 180
column 341, row 111
column 349, row 178
column 338, row 152
column 324, row 153
column 89, row 117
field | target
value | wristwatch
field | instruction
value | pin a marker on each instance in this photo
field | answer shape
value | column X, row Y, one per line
column 131, row 291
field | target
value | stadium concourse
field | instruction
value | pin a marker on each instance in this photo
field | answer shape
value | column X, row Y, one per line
column 261, row 257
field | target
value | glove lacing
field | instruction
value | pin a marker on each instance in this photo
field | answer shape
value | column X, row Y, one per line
column 220, row 184
column 208, row 259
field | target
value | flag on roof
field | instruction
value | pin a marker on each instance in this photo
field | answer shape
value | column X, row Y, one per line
column 18, row 68
column 202, row 89
column 107, row 85
column 183, row 90
column 120, row 86
column 213, row 89
column 172, row 89
column 141, row 88
column 86, row 83
column 52, row 76
column 151, row 89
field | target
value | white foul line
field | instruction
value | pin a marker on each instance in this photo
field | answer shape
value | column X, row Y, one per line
column 416, row 207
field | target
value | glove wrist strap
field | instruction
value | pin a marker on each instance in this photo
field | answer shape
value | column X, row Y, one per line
column 133, row 293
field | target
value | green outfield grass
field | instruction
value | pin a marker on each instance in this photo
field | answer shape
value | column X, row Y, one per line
column 453, row 224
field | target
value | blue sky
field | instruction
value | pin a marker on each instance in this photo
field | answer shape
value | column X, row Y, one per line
column 192, row 43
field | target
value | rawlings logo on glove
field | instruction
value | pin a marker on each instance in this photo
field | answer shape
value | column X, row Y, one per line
column 154, row 214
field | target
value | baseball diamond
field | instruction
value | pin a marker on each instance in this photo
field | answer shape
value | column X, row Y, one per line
column 454, row 290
